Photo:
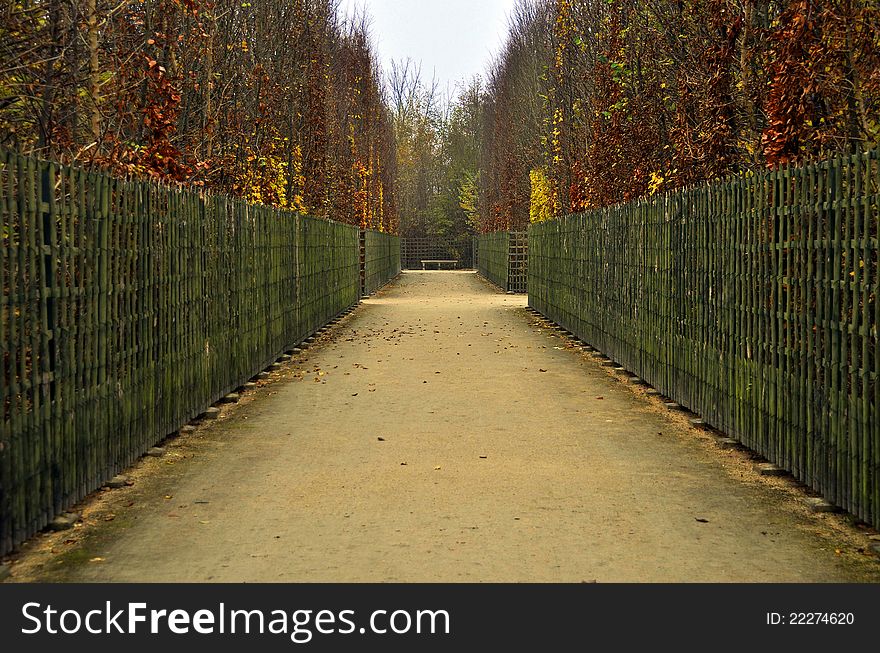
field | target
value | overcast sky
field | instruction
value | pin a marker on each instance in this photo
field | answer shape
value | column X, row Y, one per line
column 453, row 38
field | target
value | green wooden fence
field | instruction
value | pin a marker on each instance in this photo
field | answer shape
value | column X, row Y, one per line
column 381, row 259
column 502, row 258
column 128, row 307
column 493, row 257
column 753, row 302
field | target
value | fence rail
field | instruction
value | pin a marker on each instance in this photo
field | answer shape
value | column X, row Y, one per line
column 127, row 308
column 753, row 302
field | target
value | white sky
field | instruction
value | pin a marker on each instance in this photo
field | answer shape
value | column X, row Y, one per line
column 454, row 39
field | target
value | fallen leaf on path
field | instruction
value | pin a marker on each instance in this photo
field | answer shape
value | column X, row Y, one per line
column 437, row 468
column 702, row 521
column 381, row 439
column 542, row 370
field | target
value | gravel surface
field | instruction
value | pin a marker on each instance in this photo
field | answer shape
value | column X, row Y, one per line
column 441, row 433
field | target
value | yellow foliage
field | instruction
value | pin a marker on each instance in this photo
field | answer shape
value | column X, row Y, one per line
column 544, row 203
column 265, row 182
column 362, row 194
column 297, row 202
column 656, row 182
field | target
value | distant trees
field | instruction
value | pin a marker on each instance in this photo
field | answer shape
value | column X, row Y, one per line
column 439, row 144
column 457, row 201
column 594, row 102
column 277, row 101
column 417, row 114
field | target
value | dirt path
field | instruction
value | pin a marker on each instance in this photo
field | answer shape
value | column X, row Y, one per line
column 439, row 434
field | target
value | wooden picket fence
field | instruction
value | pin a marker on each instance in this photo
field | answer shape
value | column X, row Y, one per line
column 127, row 308
column 381, row 260
column 502, row 258
column 492, row 252
column 752, row 301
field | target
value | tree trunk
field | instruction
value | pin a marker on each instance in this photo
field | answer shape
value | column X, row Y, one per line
column 94, row 72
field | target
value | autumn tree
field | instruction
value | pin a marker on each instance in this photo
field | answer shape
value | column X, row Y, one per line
column 279, row 102
column 596, row 102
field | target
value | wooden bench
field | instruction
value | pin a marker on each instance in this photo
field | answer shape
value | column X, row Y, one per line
column 440, row 263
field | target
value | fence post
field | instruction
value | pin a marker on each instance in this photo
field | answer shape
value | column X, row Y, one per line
column 362, row 270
